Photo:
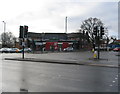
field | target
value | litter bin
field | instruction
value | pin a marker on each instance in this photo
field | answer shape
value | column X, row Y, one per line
column 95, row 55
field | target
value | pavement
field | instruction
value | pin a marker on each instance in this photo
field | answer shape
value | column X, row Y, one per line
column 107, row 58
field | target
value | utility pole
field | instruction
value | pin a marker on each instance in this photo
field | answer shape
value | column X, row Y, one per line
column 66, row 24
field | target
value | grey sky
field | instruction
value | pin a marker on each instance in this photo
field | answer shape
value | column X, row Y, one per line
column 49, row 15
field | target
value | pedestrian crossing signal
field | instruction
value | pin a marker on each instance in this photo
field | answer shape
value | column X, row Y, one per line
column 21, row 32
column 95, row 30
column 102, row 31
column 25, row 31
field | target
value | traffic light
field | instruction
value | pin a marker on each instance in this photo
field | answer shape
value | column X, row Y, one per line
column 87, row 33
column 101, row 31
column 21, row 32
column 25, row 31
column 83, row 32
column 95, row 30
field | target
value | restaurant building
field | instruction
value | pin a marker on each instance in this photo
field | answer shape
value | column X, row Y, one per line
column 48, row 41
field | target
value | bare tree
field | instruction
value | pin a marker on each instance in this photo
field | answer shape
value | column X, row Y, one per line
column 7, row 39
column 88, row 26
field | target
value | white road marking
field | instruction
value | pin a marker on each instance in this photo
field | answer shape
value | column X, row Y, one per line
column 113, row 81
column 110, row 85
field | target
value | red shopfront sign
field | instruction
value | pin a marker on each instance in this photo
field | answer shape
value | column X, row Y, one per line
column 51, row 45
column 54, row 45
column 65, row 45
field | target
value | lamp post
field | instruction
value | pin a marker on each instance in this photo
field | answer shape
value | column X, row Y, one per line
column 4, row 32
column 66, row 18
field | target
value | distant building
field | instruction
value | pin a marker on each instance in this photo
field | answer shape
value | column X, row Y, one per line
column 80, row 41
column 55, row 41
column 48, row 36
column 47, row 41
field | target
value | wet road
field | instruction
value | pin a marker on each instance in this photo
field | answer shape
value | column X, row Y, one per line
column 43, row 77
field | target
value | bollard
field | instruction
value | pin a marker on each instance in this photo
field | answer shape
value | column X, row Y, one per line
column 95, row 55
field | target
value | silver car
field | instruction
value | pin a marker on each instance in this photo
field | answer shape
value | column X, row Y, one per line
column 5, row 50
column 68, row 49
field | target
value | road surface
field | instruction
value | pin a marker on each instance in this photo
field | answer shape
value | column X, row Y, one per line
column 44, row 77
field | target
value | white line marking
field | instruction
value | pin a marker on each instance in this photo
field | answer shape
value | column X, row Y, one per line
column 113, row 81
column 110, row 85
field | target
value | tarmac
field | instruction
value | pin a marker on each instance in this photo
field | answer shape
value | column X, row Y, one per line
column 107, row 58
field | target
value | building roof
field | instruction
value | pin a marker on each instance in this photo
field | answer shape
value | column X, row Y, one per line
column 76, row 35
column 55, row 36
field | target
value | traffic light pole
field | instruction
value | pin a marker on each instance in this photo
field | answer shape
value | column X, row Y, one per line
column 98, row 35
column 23, row 35
column 98, row 45
column 23, row 50
column 23, row 45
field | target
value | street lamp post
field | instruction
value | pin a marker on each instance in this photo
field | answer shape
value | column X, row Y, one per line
column 66, row 24
column 4, row 32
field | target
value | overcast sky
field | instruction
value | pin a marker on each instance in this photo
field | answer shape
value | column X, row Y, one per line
column 49, row 15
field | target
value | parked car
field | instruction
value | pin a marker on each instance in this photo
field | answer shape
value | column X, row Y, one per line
column 5, row 50
column 26, row 50
column 68, row 49
column 103, row 48
column 116, row 49
column 14, row 50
